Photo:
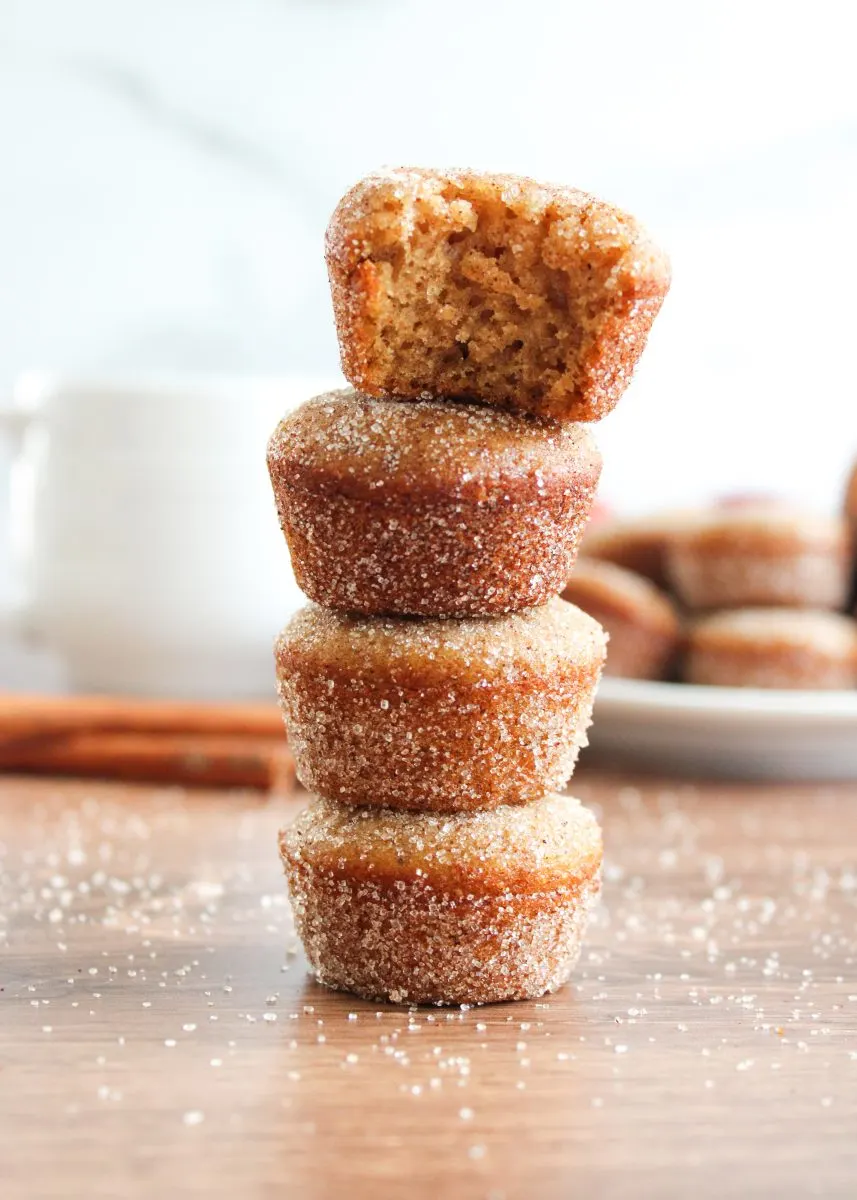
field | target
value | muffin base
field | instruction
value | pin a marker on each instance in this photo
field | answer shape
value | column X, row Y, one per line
column 761, row 557
column 409, row 946
column 776, row 648
column 806, row 579
column 423, row 908
column 452, row 559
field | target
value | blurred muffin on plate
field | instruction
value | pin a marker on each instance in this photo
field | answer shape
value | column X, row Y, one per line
column 642, row 622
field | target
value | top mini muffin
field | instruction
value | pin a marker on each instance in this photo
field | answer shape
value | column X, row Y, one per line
column 491, row 287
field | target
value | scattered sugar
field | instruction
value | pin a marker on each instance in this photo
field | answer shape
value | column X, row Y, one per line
column 776, row 991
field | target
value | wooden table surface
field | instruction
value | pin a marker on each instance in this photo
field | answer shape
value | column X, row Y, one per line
column 159, row 1036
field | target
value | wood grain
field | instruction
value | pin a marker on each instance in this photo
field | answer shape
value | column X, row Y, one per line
column 159, row 1035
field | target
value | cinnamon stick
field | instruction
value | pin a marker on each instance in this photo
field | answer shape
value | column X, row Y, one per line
column 264, row 763
column 26, row 719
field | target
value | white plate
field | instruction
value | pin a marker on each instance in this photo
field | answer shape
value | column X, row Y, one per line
column 740, row 733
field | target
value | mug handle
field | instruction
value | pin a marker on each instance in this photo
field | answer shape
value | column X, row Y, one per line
column 13, row 422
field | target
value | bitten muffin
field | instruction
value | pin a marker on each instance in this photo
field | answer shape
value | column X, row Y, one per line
column 438, row 715
column 760, row 558
column 462, row 284
column 642, row 623
column 430, row 508
column 638, row 544
column 418, row 908
column 773, row 648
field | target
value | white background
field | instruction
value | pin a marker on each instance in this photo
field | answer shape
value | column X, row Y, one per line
column 169, row 166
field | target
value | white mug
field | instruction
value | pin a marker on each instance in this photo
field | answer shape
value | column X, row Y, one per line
column 146, row 533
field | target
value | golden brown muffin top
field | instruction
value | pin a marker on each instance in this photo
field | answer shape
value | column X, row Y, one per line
column 538, row 641
column 385, row 447
column 827, row 633
column 615, row 535
column 761, row 529
column 608, row 588
column 552, row 844
column 368, row 219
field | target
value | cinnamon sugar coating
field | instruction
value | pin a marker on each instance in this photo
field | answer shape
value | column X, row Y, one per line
column 424, row 908
column 773, row 648
column 642, row 622
column 762, row 557
column 429, row 508
column 440, row 715
column 456, row 283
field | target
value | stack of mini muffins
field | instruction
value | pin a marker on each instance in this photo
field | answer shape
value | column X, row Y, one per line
column 436, row 691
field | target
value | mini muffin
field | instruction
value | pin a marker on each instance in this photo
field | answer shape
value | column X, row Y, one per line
column 761, row 557
column 462, row 284
column 429, row 509
column 419, row 908
column 438, row 715
column 638, row 544
column 640, row 620
column 773, row 648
